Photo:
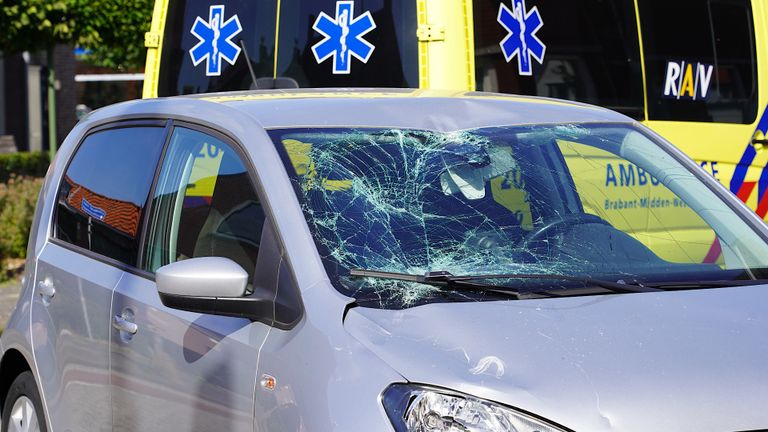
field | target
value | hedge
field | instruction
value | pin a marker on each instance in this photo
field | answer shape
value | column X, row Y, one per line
column 17, row 206
column 32, row 164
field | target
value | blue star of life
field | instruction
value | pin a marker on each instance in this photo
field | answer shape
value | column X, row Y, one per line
column 343, row 37
column 521, row 40
column 215, row 40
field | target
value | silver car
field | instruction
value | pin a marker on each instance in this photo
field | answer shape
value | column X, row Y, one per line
column 384, row 260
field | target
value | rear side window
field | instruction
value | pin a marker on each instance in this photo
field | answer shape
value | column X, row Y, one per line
column 204, row 205
column 105, row 189
column 700, row 60
column 590, row 51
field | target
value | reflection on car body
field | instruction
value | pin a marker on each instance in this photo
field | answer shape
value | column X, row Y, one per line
column 384, row 260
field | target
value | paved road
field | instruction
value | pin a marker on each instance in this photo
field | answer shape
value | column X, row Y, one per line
column 9, row 293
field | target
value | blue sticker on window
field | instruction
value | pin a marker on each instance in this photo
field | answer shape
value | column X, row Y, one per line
column 215, row 40
column 91, row 210
column 521, row 41
column 343, row 37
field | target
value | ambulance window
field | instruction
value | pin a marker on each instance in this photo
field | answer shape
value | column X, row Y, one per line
column 179, row 74
column 393, row 62
column 592, row 52
column 700, row 60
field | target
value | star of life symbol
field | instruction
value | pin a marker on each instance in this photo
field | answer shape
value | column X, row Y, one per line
column 215, row 40
column 343, row 37
column 521, row 40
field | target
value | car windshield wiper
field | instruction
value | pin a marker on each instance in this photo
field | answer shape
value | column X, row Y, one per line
column 693, row 284
column 449, row 281
column 443, row 280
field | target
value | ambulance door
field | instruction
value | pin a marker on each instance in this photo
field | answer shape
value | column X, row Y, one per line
column 705, row 67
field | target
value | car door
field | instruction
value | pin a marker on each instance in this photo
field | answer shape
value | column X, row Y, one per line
column 178, row 370
column 99, row 205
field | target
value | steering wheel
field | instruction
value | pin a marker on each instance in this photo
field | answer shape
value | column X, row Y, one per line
column 561, row 225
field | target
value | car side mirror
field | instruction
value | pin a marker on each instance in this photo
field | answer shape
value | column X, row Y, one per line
column 211, row 285
column 202, row 277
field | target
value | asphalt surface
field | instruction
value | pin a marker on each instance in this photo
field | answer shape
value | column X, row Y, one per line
column 9, row 293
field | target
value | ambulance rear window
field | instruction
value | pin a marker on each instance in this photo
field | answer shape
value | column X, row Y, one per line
column 392, row 63
column 700, row 60
column 589, row 51
column 179, row 74
column 369, row 44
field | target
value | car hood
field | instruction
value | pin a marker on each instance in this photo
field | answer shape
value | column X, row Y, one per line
column 663, row 362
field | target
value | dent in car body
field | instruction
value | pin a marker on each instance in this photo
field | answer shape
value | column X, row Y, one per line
column 633, row 362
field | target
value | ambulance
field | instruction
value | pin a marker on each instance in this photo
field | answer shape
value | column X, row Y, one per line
column 694, row 71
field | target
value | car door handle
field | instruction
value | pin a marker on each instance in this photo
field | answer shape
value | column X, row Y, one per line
column 46, row 290
column 123, row 325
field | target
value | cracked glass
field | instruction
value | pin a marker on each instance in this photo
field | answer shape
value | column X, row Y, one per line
column 583, row 200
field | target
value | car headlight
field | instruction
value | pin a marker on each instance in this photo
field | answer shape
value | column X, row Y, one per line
column 414, row 408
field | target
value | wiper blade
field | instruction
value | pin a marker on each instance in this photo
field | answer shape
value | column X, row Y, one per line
column 444, row 278
column 693, row 284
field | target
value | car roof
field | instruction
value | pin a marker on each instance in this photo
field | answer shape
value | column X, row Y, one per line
column 396, row 108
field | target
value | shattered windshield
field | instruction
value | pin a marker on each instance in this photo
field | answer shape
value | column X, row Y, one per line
column 584, row 200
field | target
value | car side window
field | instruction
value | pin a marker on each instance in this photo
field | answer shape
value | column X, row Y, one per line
column 105, row 189
column 204, row 205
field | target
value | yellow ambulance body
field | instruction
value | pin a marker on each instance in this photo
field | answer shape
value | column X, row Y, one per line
column 694, row 71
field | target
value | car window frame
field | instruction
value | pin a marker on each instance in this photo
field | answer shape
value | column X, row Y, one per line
column 169, row 122
column 270, row 220
column 165, row 124
column 747, row 215
column 213, row 133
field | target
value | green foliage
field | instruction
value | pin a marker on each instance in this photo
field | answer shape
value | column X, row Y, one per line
column 112, row 30
column 17, row 207
column 121, row 25
column 34, row 25
column 33, row 164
